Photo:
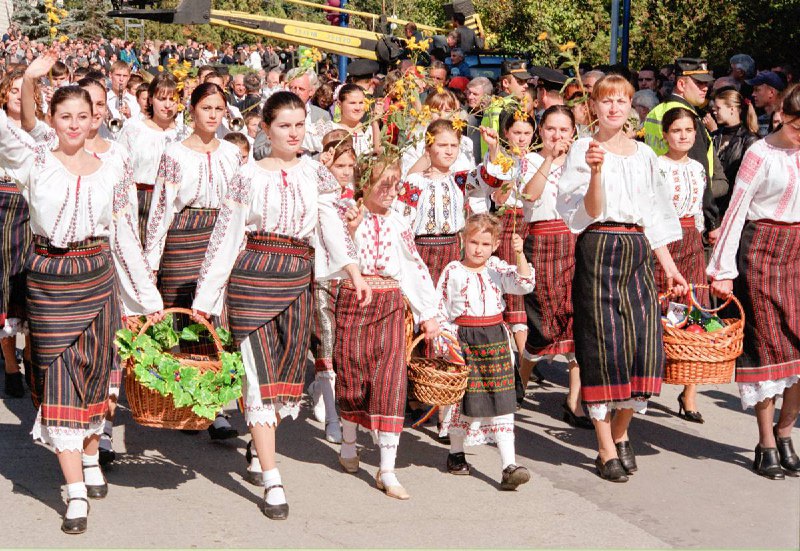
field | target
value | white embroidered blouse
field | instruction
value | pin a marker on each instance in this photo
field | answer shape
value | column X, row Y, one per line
column 187, row 179
column 767, row 188
column 686, row 182
column 65, row 208
column 433, row 207
column 464, row 162
column 298, row 202
column 634, row 193
column 385, row 247
column 462, row 292
column 145, row 145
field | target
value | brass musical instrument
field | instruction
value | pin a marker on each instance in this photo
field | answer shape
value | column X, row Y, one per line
column 115, row 125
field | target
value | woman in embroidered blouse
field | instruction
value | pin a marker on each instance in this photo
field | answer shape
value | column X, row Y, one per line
column 612, row 194
column 85, row 231
column 369, row 352
column 686, row 181
column 281, row 204
column 352, row 103
column 756, row 257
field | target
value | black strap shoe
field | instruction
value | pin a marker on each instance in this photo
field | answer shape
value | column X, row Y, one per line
column 626, row 456
column 223, row 432
column 457, row 464
column 513, row 476
column 767, row 463
column 98, row 491
column 578, row 421
column 275, row 512
column 75, row 525
column 789, row 460
column 611, row 470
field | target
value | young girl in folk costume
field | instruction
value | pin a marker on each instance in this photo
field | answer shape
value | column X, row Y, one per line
column 501, row 186
column 686, row 181
column 340, row 158
column 146, row 140
column 757, row 257
column 193, row 178
column 369, row 352
column 612, row 193
column 471, row 302
column 15, row 241
column 283, row 205
column 85, row 255
column 366, row 138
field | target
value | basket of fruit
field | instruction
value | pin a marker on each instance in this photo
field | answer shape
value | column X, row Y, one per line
column 701, row 348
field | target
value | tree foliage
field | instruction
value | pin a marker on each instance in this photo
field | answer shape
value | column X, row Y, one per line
column 32, row 19
column 88, row 19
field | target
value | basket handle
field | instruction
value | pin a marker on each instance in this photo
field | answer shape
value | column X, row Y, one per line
column 421, row 336
column 204, row 322
column 693, row 300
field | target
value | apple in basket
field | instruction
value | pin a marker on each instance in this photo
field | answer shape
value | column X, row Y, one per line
column 694, row 328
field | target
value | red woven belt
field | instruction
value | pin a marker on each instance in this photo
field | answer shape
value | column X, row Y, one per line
column 145, row 187
column 687, row 222
column 478, row 321
column 287, row 246
column 9, row 187
column 43, row 247
column 376, row 283
column 614, row 227
column 547, row 227
column 789, row 225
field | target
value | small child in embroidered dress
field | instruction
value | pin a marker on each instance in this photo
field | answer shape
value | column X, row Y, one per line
column 471, row 306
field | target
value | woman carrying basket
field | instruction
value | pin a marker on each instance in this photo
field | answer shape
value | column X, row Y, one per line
column 86, row 254
column 278, row 208
column 613, row 195
column 369, row 352
column 471, row 304
column 757, row 258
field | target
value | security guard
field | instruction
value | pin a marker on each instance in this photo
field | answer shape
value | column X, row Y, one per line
column 514, row 77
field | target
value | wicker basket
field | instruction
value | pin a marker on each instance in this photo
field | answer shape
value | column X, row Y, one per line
column 703, row 358
column 151, row 409
column 435, row 381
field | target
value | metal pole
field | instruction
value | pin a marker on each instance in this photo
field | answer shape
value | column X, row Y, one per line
column 343, row 18
column 614, row 31
column 626, row 27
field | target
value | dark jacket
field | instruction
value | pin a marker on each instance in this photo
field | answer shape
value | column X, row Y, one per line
column 731, row 143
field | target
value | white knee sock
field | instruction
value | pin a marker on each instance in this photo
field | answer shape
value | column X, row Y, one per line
column 505, row 445
column 326, row 382
column 77, row 509
column 388, row 443
column 349, row 436
column 275, row 496
column 92, row 475
column 456, row 442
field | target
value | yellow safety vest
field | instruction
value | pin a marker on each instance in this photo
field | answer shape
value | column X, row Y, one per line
column 654, row 137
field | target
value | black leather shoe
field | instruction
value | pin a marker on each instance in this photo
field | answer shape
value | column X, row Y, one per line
column 626, row 456
column 15, row 388
column 107, row 456
column 685, row 414
column 222, row 433
column 75, row 525
column 611, row 470
column 789, row 460
column 457, row 464
column 98, row 491
column 513, row 476
column 275, row 512
column 767, row 463
column 577, row 421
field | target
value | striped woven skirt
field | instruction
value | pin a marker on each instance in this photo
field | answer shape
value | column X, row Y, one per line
column 369, row 356
column 270, row 307
column 618, row 334
column 515, row 304
column 184, row 252
column 768, row 287
column 689, row 257
column 550, row 248
column 144, row 195
column 73, row 313
column 437, row 251
column 325, row 293
column 15, row 241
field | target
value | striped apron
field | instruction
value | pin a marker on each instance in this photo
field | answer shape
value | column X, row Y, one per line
column 144, row 194
column 15, row 242
column 513, row 222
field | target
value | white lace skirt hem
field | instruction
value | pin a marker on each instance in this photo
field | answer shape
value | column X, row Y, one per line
column 256, row 411
column 753, row 393
column 63, row 439
column 478, row 431
column 598, row 412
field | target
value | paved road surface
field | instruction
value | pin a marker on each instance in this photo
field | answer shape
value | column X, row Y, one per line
column 694, row 488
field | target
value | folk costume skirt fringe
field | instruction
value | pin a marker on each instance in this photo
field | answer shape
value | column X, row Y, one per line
column 486, row 413
column 184, row 252
column 73, row 313
column 369, row 356
column 689, row 257
column 144, row 195
column 550, row 248
column 269, row 303
column 325, row 293
column 15, row 243
column 618, row 335
column 768, row 287
column 513, row 222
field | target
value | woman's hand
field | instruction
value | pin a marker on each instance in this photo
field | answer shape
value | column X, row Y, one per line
column 722, row 288
column 363, row 290
column 561, row 147
column 431, row 328
column 492, row 140
column 156, row 317
column 200, row 316
column 517, row 243
column 326, row 157
column 595, row 156
column 41, row 66
column 353, row 217
column 677, row 283
column 710, row 122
